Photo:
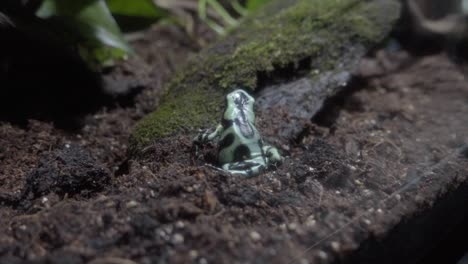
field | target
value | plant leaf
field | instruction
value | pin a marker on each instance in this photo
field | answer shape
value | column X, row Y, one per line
column 253, row 5
column 90, row 18
column 136, row 8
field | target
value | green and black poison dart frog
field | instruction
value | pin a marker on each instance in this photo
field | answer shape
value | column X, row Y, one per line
column 240, row 148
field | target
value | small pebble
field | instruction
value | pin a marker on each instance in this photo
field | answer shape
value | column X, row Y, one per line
column 255, row 236
column 178, row 239
column 310, row 221
column 292, row 226
column 282, row 226
column 193, row 254
column 335, row 246
column 132, row 204
column 321, row 254
column 180, row 224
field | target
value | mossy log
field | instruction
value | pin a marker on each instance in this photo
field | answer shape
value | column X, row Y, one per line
column 295, row 36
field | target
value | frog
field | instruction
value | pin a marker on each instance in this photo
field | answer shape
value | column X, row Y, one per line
column 241, row 150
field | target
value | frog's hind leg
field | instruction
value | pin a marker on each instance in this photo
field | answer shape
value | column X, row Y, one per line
column 244, row 168
column 272, row 154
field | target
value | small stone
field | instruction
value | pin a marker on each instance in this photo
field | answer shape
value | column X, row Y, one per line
column 335, row 246
column 132, row 204
column 161, row 233
column 321, row 254
column 193, row 254
column 177, row 239
column 210, row 200
column 168, row 229
column 282, row 226
column 292, row 226
column 255, row 236
column 310, row 222
column 180, row 224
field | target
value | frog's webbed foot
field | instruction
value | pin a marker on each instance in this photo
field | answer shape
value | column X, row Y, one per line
column 244, row 168
column 272, row 155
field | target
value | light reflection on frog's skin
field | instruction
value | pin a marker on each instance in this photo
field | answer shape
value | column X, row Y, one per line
column 241, row 149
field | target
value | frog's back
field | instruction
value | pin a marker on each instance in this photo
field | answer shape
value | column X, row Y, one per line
column 236, row 145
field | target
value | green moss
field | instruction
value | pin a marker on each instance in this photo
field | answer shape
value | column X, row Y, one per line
column 283, row 33
column 184, row 109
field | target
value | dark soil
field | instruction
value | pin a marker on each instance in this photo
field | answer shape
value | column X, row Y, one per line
column 361, row 176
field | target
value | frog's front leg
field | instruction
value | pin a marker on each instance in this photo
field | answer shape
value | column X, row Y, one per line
column 247, row 168
column 272, row 154
column 207, row 136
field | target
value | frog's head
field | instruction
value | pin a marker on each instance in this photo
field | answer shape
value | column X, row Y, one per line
column 239, row 104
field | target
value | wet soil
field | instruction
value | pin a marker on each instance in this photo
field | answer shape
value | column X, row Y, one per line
column 368, row 180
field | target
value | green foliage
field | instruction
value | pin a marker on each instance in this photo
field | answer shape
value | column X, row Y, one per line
column 99, row 38
column 92, row 25
column 90, row 18
column 136, row 14
column 136, row 8
column 228, row 21
column 253, row 5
